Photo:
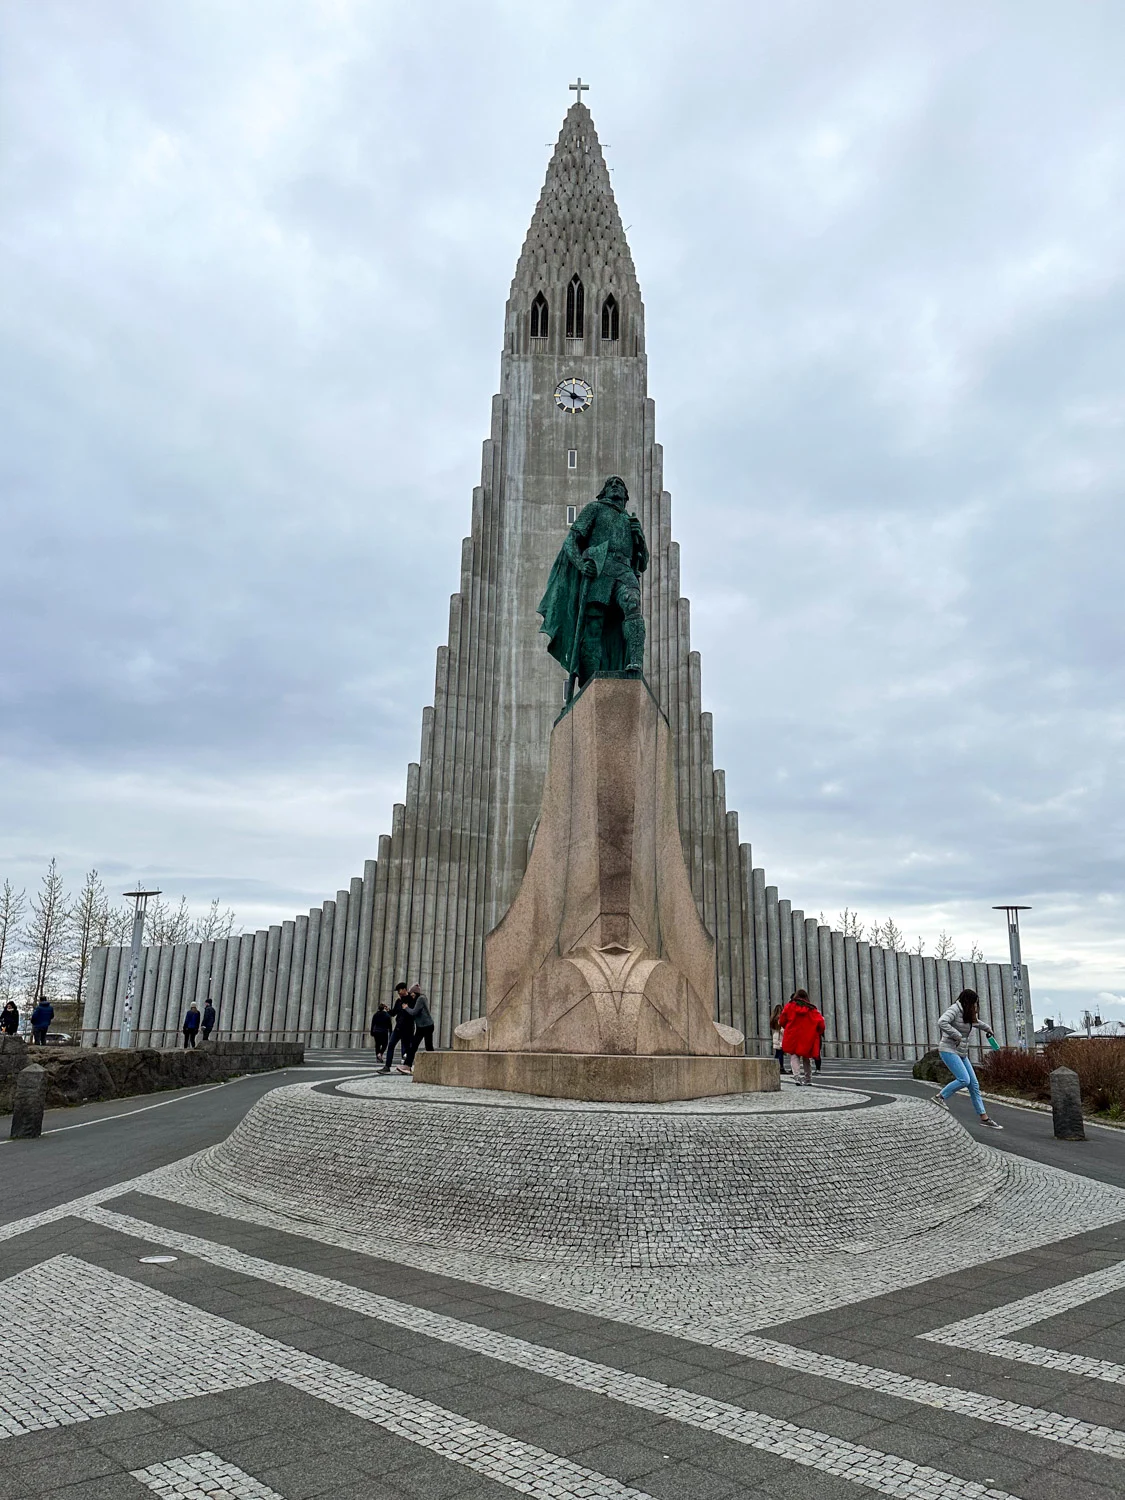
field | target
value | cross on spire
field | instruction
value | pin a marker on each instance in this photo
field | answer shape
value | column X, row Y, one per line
column 580, row 88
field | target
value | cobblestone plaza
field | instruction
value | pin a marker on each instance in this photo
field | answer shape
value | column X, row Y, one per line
column 218, row 1327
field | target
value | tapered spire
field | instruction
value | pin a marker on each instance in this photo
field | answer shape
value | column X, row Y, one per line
column 576, row 228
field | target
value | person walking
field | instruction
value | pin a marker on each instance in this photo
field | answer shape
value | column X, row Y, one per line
column 207, row 1024
column 419, row 1012
column 802, row 1027
column 775, row 1036
column 10, row 1019
column 403, row 1033
column 41, row 1018
column 955, row 1026
column 191, row 1024
column 381, row 1030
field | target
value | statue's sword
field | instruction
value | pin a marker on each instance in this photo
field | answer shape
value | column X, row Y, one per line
column 598, row 555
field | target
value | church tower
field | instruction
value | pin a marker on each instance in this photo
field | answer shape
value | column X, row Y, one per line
column 573, row 408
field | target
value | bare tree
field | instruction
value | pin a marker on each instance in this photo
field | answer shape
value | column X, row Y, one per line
column 849, row 923
column 214, row 924
column 946, row 947
column 46, row 931
column 11, row 915
column 165, row 923
column 893, row 939
column 919, row 946
column 976, row 954
column 87, row 919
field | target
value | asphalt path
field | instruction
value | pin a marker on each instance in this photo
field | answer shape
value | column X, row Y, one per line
column 92, row 1146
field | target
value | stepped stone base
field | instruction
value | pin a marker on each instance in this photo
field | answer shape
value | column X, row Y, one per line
column 601, row 1077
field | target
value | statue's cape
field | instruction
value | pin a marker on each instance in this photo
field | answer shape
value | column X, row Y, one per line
column 560, row 605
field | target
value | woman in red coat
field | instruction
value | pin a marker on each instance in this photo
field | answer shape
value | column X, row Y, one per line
column 802, row 1027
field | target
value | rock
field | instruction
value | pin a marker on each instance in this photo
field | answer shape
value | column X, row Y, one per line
column 30, row 1099
column 1066, row 1105
column 931, row 1069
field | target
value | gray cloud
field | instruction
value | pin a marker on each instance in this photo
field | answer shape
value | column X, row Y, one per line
column 256, row 259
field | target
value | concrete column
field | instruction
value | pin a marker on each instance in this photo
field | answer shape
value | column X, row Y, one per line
column 749, row 954
column 203, row 976
column 944, row 998
column 812, row 962
column 336, row 969
column 800, row 965
column 737, row 932
column 280, row 1004
column 406, row 879
column 761, row 943
column 956, row 981
column 323, row 973
column 929, row 981
column 425, row 870
column 840, row 1028
column 191, row 976
column 353, row 1033
column 894, row 1007
column 773, row 938
column 1005, row 1032
column 390, row 975
column 906, row 1004
column 785, row 925
column 918, row 998
column 308, row 975
column 263, row 1021
column 827, row 988
column 879, row 1001
column 360, row 1015
column 218, row 975
column 379, row 926
column 722, row 894
column 175, row 997
column 92, row 1000
column 225, row 1011
column 257, row 977
column 866, row 999
column 242, row 986
column 147, row 984
column 855, row 1011
column 157, row 1019
column 296, row 974
column 108, row 996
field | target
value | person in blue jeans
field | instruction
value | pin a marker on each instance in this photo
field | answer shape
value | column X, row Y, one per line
column 955, row 1026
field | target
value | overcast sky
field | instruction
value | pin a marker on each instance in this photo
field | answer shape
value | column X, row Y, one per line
column 254, row 264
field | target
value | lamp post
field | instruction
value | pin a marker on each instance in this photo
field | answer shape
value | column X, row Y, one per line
column 1019, row 1000
column 141, row 900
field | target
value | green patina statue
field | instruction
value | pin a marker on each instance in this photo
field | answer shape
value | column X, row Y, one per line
column 592, row 608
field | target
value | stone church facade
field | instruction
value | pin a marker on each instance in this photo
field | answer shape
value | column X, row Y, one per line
column 573, row 408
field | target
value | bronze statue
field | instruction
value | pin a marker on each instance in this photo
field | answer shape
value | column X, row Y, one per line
column 592, row 608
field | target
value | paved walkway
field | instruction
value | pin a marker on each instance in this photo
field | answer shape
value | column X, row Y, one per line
column 271, row 1359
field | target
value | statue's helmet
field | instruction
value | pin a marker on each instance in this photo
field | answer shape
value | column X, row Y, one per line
column 614, row 489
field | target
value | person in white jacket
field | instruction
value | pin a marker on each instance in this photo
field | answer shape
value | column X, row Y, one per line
column 955, row 1026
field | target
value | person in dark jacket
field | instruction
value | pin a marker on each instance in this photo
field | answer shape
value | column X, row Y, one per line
column 41, row 1018
column 403, row 1033
column 381, row 1030
column 207, row 1025
column 191, row 1024
column 10, row 1018
column 419, row 1012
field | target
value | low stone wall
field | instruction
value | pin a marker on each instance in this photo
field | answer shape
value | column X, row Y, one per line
column 78, row 1075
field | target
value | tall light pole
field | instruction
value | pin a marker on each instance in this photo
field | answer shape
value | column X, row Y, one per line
column 141, row 900
column 1019, row 999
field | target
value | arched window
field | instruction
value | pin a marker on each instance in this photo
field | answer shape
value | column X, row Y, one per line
column 539, row 317
column 611, row 320
column 575, row 309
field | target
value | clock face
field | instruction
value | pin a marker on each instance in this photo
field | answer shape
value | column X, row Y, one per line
column 573, row 394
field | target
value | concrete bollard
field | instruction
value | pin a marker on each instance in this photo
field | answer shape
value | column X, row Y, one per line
column 1066, row 1105
column 27, row 1107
